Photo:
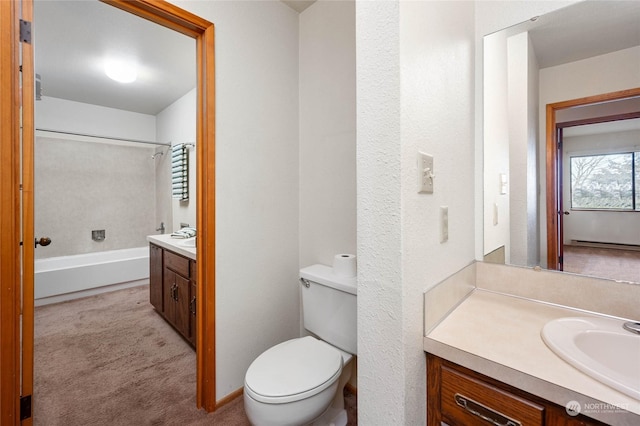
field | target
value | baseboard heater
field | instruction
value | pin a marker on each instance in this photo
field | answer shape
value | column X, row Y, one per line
column 599, row 244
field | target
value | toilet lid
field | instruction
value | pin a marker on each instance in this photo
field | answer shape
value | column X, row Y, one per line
column 293, row 370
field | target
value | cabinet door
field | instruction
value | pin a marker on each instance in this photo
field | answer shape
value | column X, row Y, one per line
column 182, row 320
column 155, row 277
column 170, row 286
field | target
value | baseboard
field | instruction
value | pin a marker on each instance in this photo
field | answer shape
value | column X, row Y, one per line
column 596, row 244
column 229, row 398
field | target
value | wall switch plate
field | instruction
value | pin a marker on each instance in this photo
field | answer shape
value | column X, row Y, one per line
column 425, row 173
column 444, row 224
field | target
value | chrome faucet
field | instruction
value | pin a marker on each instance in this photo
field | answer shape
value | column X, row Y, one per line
column 161, row 229
column 633, row 327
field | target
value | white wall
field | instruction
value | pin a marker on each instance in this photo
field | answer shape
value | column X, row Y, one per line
column 599, row 226
column 176, row 124
column 601, row 74
column 496, row 147
column 523, row 139
column 327, row 131
column 69, row 116
column 415, row 92
column 257, row 201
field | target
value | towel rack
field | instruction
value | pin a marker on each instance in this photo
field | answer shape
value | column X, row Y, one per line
column 180, row 172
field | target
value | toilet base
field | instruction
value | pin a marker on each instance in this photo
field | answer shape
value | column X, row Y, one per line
column 332, row 417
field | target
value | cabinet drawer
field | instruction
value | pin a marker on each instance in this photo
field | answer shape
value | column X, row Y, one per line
column 470, row 402
column 176, row 263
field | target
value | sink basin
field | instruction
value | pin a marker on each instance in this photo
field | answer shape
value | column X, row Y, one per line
column 189, row 242
column 600, row 348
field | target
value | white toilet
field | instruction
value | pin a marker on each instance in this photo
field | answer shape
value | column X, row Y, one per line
column 300, row 381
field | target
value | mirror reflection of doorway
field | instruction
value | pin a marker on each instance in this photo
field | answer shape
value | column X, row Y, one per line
column 595, row 198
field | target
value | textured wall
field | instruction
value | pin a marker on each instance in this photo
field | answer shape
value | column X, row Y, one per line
column 81, row 186
column 381, row 373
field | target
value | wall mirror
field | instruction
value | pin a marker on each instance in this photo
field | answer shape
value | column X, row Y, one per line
column 588, row 50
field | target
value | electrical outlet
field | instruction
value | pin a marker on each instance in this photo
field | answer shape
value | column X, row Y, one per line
column 425, row 173
column 444, row 224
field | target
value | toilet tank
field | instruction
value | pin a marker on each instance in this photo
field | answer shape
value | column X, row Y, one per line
column 329, row 306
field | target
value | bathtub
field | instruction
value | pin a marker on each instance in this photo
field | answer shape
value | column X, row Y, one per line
column 69, row 277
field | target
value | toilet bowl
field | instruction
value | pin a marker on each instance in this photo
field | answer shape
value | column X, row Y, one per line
column 296, row 383
column 301, row 381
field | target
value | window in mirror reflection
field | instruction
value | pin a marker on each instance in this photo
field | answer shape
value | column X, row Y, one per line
column 604, row 182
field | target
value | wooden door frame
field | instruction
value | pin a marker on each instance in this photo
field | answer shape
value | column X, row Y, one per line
column 10, row 232
column 172, row 17
column 552, row 159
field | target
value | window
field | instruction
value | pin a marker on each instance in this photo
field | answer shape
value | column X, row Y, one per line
column 606, row 181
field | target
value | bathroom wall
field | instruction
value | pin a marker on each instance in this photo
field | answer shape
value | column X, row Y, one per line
column 327, row 131
column 257, row 171
column 176, row 124
column 83, row 185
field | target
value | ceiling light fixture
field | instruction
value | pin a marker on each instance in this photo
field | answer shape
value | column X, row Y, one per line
column 120, row 71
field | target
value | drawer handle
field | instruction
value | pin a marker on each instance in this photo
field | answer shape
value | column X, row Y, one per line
column 192, row 306
column 485, row 413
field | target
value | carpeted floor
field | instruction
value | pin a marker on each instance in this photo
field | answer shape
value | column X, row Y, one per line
column 112, row 360
column 608, row 263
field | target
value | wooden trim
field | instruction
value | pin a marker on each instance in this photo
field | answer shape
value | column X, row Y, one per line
column 351, row 388
column 9, row 215
column 229, row 398
column 202, row 31
column 551, row 160
column 597, row 120
column 28, row 131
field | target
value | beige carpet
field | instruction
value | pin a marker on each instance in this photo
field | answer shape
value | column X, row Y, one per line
column 112, row 360
column 608, row 263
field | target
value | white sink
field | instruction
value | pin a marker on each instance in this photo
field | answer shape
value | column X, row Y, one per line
column 189, row 242
column 600, row 348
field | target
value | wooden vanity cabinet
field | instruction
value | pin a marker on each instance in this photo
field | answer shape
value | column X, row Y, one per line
column 172, row 291
column 155, row 277
column 457, row 396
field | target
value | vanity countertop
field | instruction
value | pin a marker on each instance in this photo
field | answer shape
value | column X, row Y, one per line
column 499, row 335
column 176, row 245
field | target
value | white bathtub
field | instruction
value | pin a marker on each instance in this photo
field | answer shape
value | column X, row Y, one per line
column 69, row 277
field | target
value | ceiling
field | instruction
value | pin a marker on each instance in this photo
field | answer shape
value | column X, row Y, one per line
column 583, row 30
column 72, row 39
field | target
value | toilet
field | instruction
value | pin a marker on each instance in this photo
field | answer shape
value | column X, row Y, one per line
column 300, row 381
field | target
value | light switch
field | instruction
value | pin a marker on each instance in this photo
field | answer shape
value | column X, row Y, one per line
column 425, row 173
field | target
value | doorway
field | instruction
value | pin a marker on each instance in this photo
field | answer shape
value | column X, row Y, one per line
column 16, row 220
column 555, row 199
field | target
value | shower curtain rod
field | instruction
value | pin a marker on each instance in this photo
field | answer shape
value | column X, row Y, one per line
column 104, row 137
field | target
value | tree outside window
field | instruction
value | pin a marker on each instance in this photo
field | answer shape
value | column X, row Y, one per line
column 605, row 182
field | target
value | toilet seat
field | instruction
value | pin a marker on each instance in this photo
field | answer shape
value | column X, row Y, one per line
column 293, row 370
